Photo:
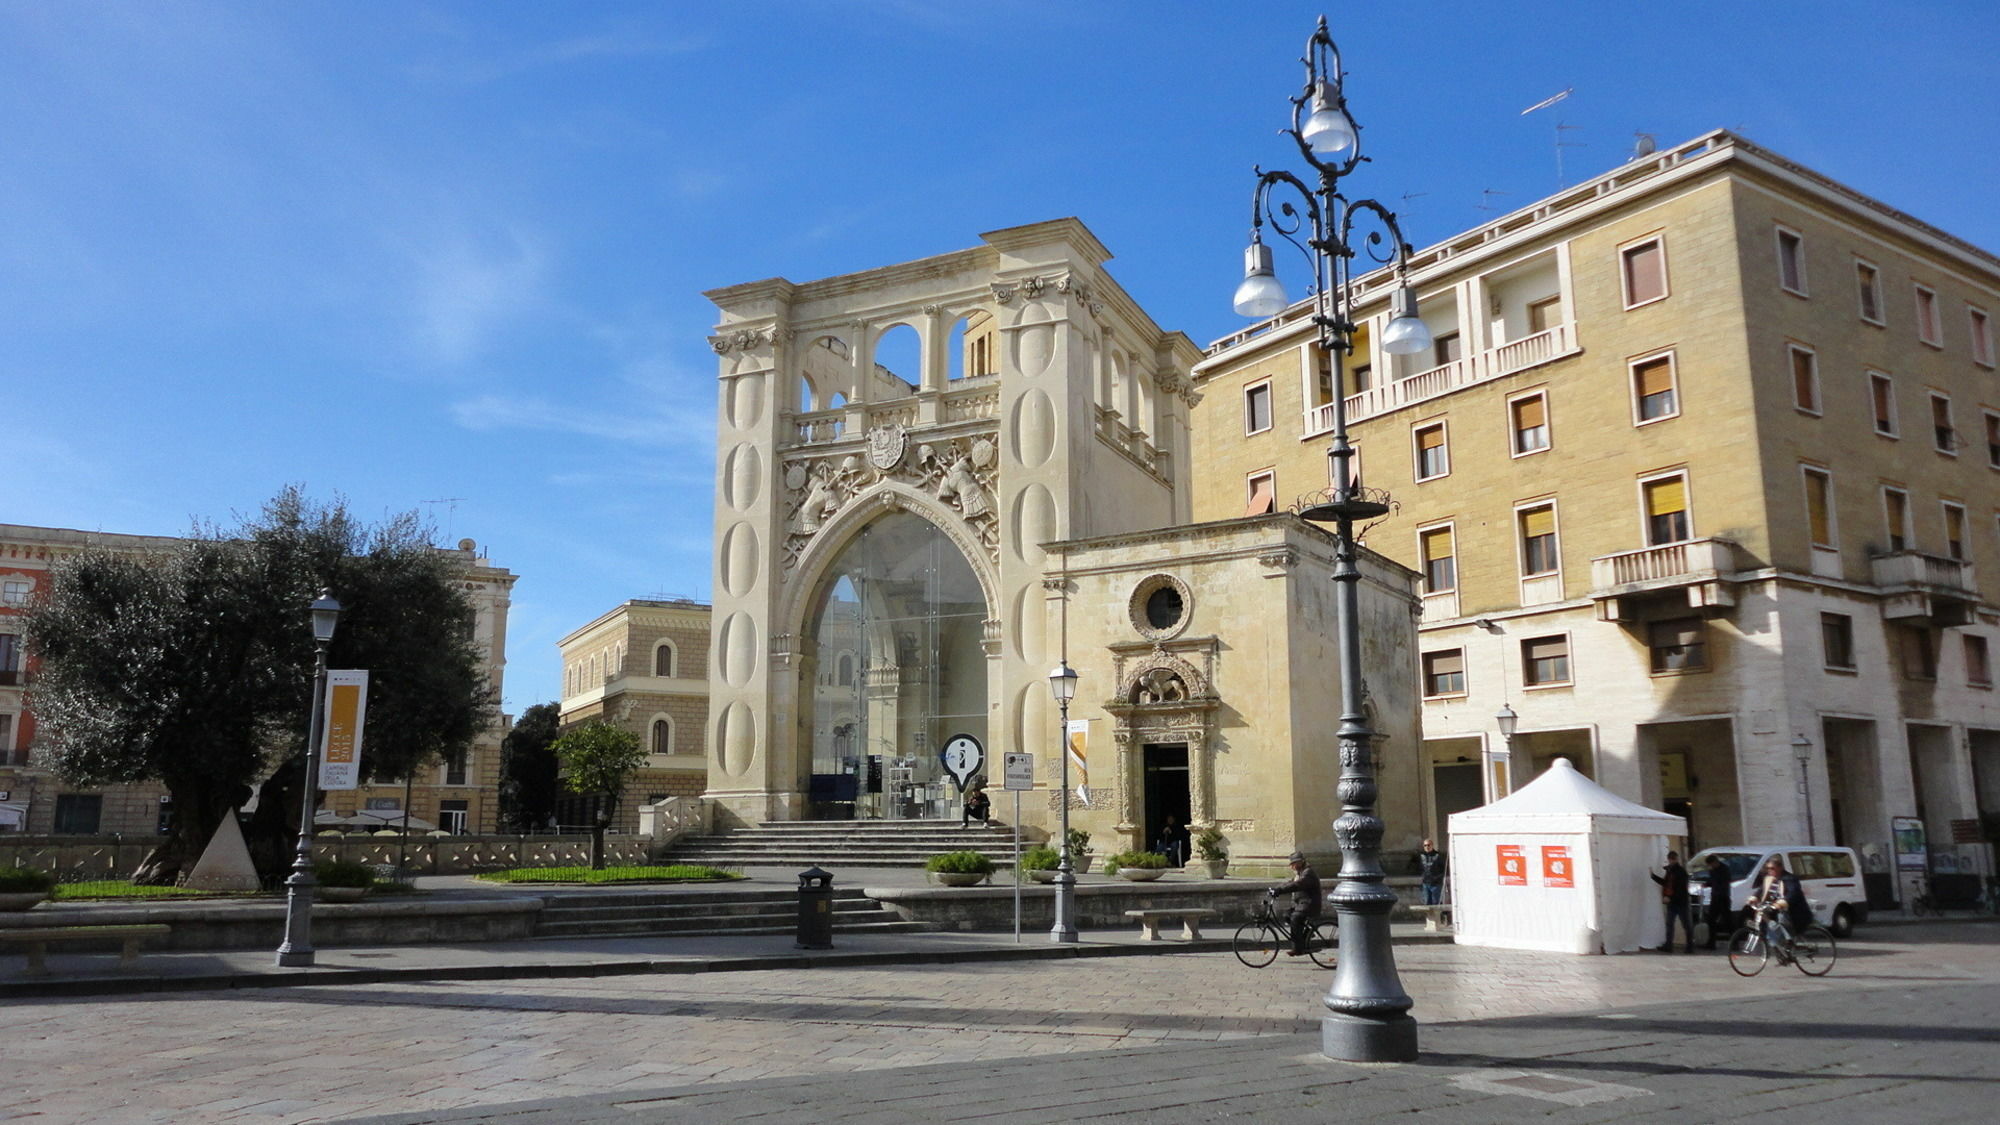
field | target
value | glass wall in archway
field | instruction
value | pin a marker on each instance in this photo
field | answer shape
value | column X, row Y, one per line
column 893, row 663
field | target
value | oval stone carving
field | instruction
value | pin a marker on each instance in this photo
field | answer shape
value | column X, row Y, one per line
column 738, row 657
column 739, row 559
column 746, row 400
column 1034, row 342
column 742, row 477
column 1030, row 624
column 736, row 736
column 1034, row 523
column 1033, row 428
column 1031, row 735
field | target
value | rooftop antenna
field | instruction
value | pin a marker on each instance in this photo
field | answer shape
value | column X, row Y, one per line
column 450, row 512
column 1486, row 198
column 1560, row 127
column 1562, row 181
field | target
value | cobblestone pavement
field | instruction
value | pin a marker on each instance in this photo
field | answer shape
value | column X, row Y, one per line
column 333, row 1052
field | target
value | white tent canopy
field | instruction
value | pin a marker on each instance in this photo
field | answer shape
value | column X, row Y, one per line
column 1560, row 865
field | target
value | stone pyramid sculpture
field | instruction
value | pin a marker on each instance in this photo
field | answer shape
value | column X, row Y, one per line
column 225, row 864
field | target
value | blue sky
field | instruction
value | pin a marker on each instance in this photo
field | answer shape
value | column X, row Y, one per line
column 449, row 256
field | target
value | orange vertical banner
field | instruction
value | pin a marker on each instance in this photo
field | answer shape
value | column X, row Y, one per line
column 340, row 742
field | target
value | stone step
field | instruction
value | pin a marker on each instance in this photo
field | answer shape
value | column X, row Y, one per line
column 612, row 927
column 789, row 928
column 841, row 896
column 675, row 914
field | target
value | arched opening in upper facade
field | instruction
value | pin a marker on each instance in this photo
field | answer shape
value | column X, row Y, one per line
column 973, row 347
column 898, row 362
column 900, row 616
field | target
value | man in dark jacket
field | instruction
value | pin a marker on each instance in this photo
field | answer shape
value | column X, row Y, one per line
column 1719, row 914
column 1304, row 889
column 1674, row 896
column 1431, row 870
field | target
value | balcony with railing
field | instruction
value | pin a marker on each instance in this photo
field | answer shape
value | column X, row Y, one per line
column 1557, row 342
column 1920, row 586
column 972, row 399
column 1698, row 571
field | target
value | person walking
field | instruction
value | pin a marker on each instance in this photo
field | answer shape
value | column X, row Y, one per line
column 1174, row 841
column 1717, row 879
column 1673, row 883
column 978, row 806
column 1431, row 867
column 1304, row 889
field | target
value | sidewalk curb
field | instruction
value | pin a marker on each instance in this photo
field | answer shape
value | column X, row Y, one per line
column 58, row 987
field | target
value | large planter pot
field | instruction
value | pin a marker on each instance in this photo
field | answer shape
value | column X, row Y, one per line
column 341, row 894
column 1216, row 868
column 958, row 878
column 1141, row 874
column 1080, row 863
column 16, row 901
column 1046, row 876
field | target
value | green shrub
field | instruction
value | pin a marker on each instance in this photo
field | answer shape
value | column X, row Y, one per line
column 1079, row 842
column 343, row 873
column 1135, row 859
column 1208, row 845
column 960, row 863
column 1041, row 857
column 25, row 880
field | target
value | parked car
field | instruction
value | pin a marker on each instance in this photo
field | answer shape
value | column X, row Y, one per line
column 1831, row 878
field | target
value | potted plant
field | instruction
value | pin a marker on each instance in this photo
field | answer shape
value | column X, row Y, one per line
column 343, row 880
column 959, row 869
column 1139, row 867
column 1212, row 852
column 22, row 887
column 1079, row 850
column 1040, row 863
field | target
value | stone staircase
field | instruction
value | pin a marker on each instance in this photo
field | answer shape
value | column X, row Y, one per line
column 837, row 844
column 707, row 913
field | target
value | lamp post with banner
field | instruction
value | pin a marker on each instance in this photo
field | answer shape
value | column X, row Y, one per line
column 297, row 949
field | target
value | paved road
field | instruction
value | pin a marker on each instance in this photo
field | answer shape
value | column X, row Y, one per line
column 1903, row 1031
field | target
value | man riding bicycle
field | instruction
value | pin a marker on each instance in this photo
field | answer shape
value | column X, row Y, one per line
column 1788, row 911
column 1304, row 889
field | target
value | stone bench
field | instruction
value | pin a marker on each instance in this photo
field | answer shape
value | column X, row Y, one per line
column 1435, row 917
column 37, row 940
column 1189, row 917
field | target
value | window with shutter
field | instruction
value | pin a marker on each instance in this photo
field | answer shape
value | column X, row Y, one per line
column 1433, row 456
column 1653, row 387
column 1440, row 571
column 1545, row 660
column 1678, row 645
column 1805, row 379
column 1531, row 424
column 1645, row 273
column 1444, row 672
column 1819, row 506
column 1538, row 541
column 1666, row 511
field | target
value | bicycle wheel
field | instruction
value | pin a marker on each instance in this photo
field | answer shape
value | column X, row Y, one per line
column 1747, row 952
column 1256, row 944
column 1325, row 943
column 1813, row 951
column 1921, row 906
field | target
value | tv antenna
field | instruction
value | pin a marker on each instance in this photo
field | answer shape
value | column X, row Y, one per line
column 1486, row 198
column 1562, row 181
column 451, row 511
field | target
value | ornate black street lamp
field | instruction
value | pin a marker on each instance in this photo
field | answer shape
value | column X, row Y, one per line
column 1062, row 684
column 297, row 949
column 1371, row 1020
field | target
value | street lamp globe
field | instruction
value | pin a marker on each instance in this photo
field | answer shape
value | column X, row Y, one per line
column 1801, row 747
column 1062, row 682
column 1328, row 132
column 1261, row 293
column 1507, row 720
column 325, row 615
column 1407, row 334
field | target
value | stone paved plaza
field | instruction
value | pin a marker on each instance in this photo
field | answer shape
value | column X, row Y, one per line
column 610, row 1046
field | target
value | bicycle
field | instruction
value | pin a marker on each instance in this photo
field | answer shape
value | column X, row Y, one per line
column 1258, row 940
column 1923, row 903
column 1812, row 949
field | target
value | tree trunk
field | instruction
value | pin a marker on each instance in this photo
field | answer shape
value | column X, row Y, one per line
column 273, row 832
column 196, row 816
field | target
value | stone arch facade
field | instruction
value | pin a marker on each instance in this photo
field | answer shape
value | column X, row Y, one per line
column 1163, row 697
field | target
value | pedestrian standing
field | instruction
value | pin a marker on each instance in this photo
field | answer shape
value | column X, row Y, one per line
column 1174, row 841
column 1673, row 881
column 1431, row 866
column 1719, row 913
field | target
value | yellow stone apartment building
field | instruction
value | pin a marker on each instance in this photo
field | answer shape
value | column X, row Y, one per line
column 1703, row 478
column 642, row 666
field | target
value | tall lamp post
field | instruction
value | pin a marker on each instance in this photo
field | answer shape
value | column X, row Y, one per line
column 297, row 948
column 1062, row 684
column 1371, row 1020
column 1802, row 750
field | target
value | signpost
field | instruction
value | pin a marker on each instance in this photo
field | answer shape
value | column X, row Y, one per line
column 1018, row 771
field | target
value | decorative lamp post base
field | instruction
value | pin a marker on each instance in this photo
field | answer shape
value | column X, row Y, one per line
column 1361, row 1039
column 295, row 959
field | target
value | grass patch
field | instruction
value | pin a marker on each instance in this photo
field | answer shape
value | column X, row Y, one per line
column 669, row 873
column 120, row 888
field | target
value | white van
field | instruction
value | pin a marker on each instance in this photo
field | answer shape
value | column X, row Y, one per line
column 1831, row 878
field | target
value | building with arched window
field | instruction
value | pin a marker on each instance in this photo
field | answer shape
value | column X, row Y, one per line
column 644, row 667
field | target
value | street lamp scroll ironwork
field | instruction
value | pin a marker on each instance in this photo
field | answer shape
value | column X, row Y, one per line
column 1370, row 1020
column 297, row 949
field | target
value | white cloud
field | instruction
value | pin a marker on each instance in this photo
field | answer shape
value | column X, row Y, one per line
column 466, row 293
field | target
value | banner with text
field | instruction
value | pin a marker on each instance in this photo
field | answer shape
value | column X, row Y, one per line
column 1079, row 757
column 340, row 743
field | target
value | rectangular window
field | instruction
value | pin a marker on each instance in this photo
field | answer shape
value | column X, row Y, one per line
column 1257, row 408
column 1353, row 466
column 1444, row 672
column 1993, row 439
column 13, row 593
column 1433, row 455
column 1819, row 505
column 1678, row 645
column 454, row 769
column 10, row 658
column 1545, row 660
column 1954, row 530
column 7, row 743
column 1439, row 558
column 1666, row 510
column 1653, row 392
column 1882, row 393
column 1447, row 349
column 1364, row 377
column 1915, row 652
column 1980, row 328
column 1538, row 540
column 1978, row 666
column 1263, row 493
column 1943, row 436
column 1530, row 423
column 1896, row 515
column 1791, row 261
column 1930, row 328
column 1836, row 635
column 1645, row 272
column 1869, row 284
column 1805, row 378
column 78, row 814
column 452, row 816
column 1545, row 314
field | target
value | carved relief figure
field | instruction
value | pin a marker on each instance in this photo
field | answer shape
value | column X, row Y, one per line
column 963, row 490
column 1160, row 685
column 959, row 472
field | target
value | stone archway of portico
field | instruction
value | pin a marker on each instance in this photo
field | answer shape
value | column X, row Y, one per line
column 1163, row 700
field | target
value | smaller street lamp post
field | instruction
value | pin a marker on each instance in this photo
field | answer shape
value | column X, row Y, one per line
column 1802, row 750
column 1062, row 684
column 1508, row 720
column 297, row 948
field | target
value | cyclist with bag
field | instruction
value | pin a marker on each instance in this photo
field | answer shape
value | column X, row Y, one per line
column 1304, row 889
column 1780, row 889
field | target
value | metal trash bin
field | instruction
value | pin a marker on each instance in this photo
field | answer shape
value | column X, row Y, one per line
column 815, row 909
